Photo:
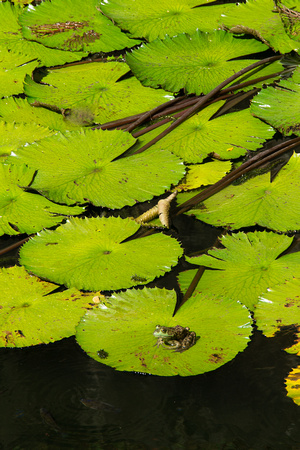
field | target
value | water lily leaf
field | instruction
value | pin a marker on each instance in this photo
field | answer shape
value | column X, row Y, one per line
column 20, row 111
column 246, row 267
column 260, row 18
column 67, row 25
column 290, row 14
column 25, row 212
column 12, row 38
column 274, row 205
column 197, row 63
column 280, row 105
column 230, row 135
column 31, row 314
column 95, row 86
column 293, row 385
column 203, row 174
column 14, row 135
column 120, row 332
column 91, row 254
column 13, row 68
column 81, row 166
column 160, row 17
column 279, row 306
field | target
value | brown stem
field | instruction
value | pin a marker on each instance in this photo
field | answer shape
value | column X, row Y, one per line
column 147, row 115
column 251, row 164
column 204, row 99
column 132, row 122
column 13, row 246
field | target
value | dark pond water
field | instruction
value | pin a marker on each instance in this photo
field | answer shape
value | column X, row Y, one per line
column 239, row 406
column 55, row 397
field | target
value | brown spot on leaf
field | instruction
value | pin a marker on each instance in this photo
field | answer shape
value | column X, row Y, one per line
column 215, row 358
column 50, row 29
column 75, row 42
column 19, row 333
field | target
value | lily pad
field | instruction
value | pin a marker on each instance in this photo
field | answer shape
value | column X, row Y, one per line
column 32, row 314
column 279, row 306
column 14, row 135
column 160, row 17
column 121, row 329
column 19, row 110
column 81, row 166
column 280, row 105
column 70, row 25
column 91, row 254
column 260, row 18
column 26, row 212
column 203, row 174
column 229, row 136
column 13, row 68
column 198, row 62
column 274, row 205
column 12, row 39
column 247, row 266
column 97, row 88
column 293, row 385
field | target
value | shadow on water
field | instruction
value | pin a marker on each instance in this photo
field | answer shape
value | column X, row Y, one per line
column 55, row 396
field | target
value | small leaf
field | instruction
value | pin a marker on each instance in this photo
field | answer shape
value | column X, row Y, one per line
column 123, row 327
column 274, row 205
column 13, row 68
column 280, row 105
column 91, row 254
column 202, row 174
column 25, row 212
column 279, row 306
column 293, row 385
column 82, row 166
column 96, row 87
column 246, row 267
column 31, row 314
column 197, row 63
column 70, row 25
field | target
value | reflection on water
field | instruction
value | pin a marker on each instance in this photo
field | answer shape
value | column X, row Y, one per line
column 45, row 395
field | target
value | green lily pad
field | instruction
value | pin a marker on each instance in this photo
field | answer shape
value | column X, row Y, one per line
column 119, row 332
column 81, row 166
column 260, row 18
column 289, row 14
column 20, row 111
column 26, row 212
column 229, row 136
column 280, row 306
column 70, row 25
column 95, row 87
column 31, row 314
column 274, row 205
column 12, row 39
column 247, row 266
column 280, row 105
column 197, row 63
column 160, row 17
column 293, row 385
column 91, row 254
column 13, row 68
column 14, row 135
column 203, row 174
